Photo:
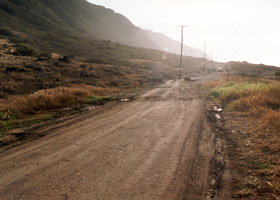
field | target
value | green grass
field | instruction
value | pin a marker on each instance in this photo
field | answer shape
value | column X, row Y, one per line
column 238, row 87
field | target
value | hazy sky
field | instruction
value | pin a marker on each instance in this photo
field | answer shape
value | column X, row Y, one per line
column 241, row 30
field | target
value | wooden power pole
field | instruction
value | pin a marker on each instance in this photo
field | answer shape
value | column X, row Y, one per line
column 205, row 57
column 182, row 46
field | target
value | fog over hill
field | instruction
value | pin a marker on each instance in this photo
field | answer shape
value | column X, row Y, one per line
column 42, row 19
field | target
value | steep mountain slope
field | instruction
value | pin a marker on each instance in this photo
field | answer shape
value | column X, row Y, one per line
column 173, row 46
column 41, row 19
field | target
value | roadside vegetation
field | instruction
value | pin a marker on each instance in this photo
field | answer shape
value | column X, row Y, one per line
column 49, row 99
column 21, row 110
column 259, row 100
column 258, row 97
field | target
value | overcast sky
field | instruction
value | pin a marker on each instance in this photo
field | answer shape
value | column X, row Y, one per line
column 240, row 30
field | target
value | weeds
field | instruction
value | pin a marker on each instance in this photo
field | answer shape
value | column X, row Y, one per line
column 4, row 115
column 245, row 94
column 24, row 110
column 45, row 100
column 23, row 50
column 260, row 100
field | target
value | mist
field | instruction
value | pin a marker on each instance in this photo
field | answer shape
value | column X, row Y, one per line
column 233, row 30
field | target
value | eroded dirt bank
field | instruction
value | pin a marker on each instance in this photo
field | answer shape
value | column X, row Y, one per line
column 159, row 146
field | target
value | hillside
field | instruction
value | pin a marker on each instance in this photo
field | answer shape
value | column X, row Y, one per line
column 75, row 20
column 251, row 70
column 173, row 46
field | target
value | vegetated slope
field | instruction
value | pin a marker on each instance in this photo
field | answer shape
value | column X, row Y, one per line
column 251, row 70
column 74, row 20
column 21, row 75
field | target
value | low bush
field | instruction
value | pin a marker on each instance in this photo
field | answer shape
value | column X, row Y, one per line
column 5, row 32
column 23, row 50
column 277, row 73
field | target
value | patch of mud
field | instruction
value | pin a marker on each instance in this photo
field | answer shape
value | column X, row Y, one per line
column 218, row 165
column 218, row 161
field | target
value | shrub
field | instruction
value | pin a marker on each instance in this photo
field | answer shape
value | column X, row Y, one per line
column 22, row 50
column 7, row 8
column 5, row 32
column 277, row 73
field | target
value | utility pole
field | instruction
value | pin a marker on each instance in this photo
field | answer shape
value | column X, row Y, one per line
column 212, row 61
column 182, row 46
column 205, row 57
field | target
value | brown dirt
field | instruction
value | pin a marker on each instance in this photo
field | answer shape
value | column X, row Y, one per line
column 159, row 146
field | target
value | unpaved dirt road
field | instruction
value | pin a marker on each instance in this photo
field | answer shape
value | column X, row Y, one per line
column 158, row 146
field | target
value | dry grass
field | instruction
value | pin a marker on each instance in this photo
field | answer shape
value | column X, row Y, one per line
column 258, row 97
column 45, row 100
column 271, row 121
column 260, row 100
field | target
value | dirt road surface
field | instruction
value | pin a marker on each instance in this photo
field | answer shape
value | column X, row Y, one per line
column 158, row 146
